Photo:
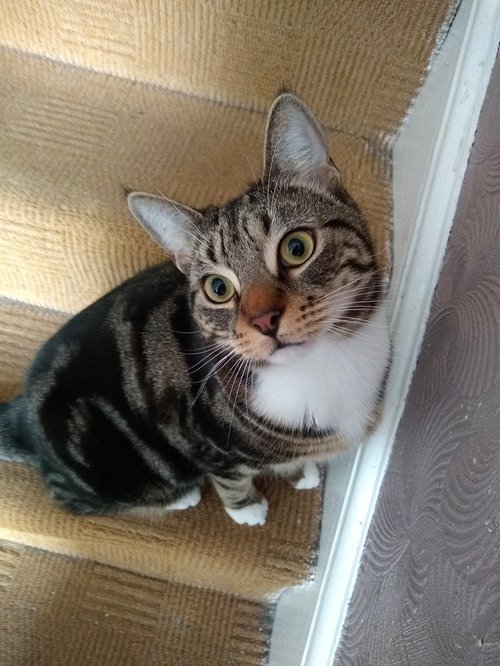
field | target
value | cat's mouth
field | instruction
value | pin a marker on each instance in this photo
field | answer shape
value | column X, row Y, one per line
column 287, row 345
column 271, row 348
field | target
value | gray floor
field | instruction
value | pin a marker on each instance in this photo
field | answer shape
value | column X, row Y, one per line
column 428, row 591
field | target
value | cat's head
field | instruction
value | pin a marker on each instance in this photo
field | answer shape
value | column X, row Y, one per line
column 289, row 261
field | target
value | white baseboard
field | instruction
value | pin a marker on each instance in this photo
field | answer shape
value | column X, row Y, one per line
column 430, row 158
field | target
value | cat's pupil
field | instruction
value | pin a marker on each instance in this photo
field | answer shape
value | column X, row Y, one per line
column 219, row 287
column 296, row 247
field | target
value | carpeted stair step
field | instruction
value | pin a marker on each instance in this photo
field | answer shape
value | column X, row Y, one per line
column 359, row 62
column 72, row 140
column 23, row 329
column 199, row 546
column 58, row 611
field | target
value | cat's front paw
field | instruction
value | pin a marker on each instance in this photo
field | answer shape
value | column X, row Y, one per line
column 310, row 477
column 253, row 514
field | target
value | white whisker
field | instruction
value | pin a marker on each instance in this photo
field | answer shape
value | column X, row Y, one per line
column 209, row 358
column 233, row 375
column 345, row 287
column 251, row 167
column 207, row 348
column 234, row 407
column 213, row 371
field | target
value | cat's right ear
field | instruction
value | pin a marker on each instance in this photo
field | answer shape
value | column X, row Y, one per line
column 171, row 225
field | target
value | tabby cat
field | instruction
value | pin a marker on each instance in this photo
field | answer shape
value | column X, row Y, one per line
column 263, row 347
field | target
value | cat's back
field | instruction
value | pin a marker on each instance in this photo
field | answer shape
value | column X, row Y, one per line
column 133, row 300
column 97, row 348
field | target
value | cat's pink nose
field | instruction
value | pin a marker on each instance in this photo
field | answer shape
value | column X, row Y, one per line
column 267, row 322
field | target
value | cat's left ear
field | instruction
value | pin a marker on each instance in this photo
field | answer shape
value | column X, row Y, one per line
column 170, row 224
column 295, row 145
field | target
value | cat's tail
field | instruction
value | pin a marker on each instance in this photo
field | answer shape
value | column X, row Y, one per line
column 12, row 445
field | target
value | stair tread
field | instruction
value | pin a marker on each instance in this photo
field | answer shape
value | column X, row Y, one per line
column 23, row 329
column 201, row 546
column 361, row 64
column 68, row 611
column 72, row 140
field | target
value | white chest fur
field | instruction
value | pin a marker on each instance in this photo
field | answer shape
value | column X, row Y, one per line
column 327, row 383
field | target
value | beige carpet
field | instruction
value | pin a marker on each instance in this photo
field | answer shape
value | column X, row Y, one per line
column 98, row 96
column 58, row 611
column 72, row 140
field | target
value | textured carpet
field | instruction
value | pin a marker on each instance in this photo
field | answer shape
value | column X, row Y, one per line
column 359, row 63
column 58, row 611
column 73, row 140
column 99, row 97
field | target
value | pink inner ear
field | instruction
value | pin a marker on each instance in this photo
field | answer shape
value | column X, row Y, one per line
column 181, row 260
column 335, row 168
column 327, row 174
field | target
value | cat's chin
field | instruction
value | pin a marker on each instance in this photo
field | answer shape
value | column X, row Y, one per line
column 286, row 353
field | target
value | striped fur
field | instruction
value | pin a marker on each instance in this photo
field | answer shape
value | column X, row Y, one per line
column 156, row 388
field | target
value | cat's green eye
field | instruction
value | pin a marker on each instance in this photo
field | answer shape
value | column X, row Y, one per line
column 296, row 248
column 218, row 288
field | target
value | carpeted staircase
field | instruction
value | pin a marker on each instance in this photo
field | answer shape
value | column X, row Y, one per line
column 98, row 97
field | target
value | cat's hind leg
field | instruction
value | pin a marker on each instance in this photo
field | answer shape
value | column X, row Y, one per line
column 157, row 511
column 303, row 476
column 241, row 499
column 309, row 476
